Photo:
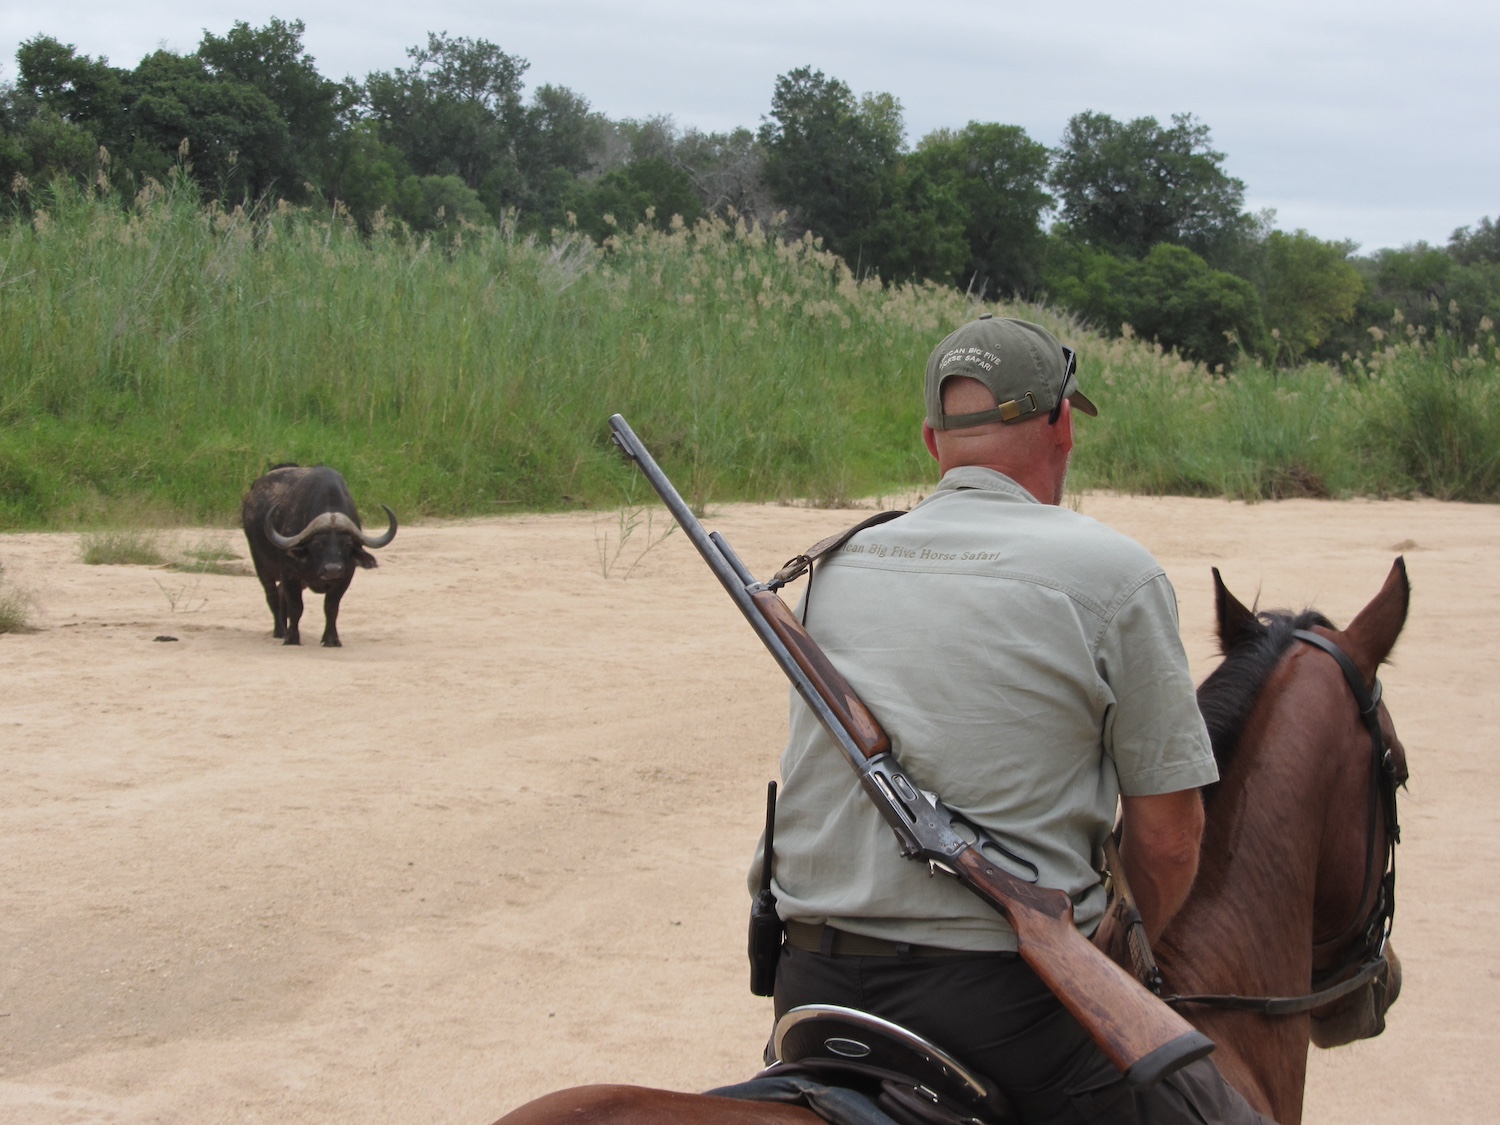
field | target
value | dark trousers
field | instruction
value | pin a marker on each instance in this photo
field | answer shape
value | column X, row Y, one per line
column 990, row 1011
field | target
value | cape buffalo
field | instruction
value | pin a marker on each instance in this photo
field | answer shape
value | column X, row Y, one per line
column 305, row 532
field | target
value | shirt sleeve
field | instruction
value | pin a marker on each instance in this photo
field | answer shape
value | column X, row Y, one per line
column 1152, row 730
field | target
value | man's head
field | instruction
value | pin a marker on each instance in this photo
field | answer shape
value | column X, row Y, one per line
column 1024, row 367
column 1000, row 394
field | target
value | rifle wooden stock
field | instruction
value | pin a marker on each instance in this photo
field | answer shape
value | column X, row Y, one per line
column 1143, row 1037
column 835, row 690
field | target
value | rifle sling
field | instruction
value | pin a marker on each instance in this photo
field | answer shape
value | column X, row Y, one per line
column 798, row 565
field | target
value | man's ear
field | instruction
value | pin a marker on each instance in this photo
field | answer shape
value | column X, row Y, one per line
column 1062, row 429
column 929, row 439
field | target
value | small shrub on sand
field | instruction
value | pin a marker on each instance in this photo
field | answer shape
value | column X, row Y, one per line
column 120, row 548
column 208, row 557
column 15, row 608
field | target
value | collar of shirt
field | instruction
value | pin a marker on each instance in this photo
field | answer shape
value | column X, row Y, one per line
column 987, row 480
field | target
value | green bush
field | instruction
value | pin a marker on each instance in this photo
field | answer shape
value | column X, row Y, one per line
column 1170, row 427
column 120, row 548
column 1433, row 413
column 15, row 608
column 22, row 492
column 643, row 191
column 1309, row 290
column 1171, row 296
column 439, row 203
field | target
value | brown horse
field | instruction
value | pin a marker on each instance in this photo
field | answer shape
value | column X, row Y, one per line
column 1287, row 875
column 1289, row 879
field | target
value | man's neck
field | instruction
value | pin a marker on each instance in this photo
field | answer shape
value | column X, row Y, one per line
column 1043, row 486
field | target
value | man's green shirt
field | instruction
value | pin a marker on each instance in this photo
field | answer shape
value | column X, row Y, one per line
column 1026, row 663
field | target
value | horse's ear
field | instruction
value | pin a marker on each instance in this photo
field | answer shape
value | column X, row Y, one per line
column 1373, row 633
column 1236, row 623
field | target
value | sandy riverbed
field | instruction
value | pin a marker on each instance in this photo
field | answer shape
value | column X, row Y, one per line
column 496, row 844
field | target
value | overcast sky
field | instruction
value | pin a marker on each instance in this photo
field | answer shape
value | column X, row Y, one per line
column 1371, row 120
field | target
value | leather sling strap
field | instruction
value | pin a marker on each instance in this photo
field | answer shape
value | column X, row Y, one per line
column 798, row 565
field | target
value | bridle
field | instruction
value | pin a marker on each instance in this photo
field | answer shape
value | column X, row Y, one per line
column 1372, row 930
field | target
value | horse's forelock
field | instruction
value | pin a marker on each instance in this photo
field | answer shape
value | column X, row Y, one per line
column 1230, row 692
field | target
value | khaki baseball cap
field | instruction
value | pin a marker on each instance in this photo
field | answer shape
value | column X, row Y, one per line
column 1021, row 363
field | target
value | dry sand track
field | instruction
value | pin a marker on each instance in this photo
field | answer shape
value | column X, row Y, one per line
column 496, row 844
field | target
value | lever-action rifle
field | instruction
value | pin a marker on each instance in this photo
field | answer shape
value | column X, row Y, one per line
column 1137, row 1032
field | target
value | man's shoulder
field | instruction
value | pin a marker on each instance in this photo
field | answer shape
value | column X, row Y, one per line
column 1107, row 547
column 1017, row 535
column 1099, row 564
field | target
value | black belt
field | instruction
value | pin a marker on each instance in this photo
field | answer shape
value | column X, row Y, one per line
column 821, row 938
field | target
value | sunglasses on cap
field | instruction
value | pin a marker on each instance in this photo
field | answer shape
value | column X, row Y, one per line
column 1070, row 368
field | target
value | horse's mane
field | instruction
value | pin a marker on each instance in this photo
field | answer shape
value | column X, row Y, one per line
column 1228, row 695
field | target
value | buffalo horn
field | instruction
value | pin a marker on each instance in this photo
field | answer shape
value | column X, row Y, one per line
column 379, row 540
column 330, row 521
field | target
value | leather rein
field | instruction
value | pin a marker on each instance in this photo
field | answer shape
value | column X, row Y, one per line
column 1367, row 956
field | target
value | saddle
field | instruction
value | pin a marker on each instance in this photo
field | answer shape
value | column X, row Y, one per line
column 852, row 1068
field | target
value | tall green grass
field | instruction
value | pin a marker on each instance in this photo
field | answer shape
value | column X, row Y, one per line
column 1434, row 415
column 154, row 361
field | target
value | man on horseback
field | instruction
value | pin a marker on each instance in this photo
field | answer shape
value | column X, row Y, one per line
column 1026, row 663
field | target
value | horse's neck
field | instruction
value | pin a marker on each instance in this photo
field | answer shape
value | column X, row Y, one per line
column 1248, row 922
column 1247, row 927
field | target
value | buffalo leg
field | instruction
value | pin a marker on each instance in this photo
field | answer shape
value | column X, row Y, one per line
column 273, row 599
column 273, row 596
column 291, row 604
column 331, row 616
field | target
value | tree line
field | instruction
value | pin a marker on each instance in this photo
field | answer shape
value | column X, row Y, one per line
column 1132, row 225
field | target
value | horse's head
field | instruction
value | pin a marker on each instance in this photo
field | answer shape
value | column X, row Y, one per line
column 1364, row 762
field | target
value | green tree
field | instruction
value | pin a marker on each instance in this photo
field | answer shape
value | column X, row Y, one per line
column 457, row 110
column 828, row 155
column 918, row 231
column 237, row 141
column 63, row 107
column 564, row 132
column 836, row 163
column 557, row 145
column 251, row 105
column 1309, row 289
column 272, row 60
column 1469, row 247
column 366, row 174
column 1177, row 298
column 82, row 91
column 1433, row 290
column 996, row 174
column 1124, row 187
column 728, row 170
